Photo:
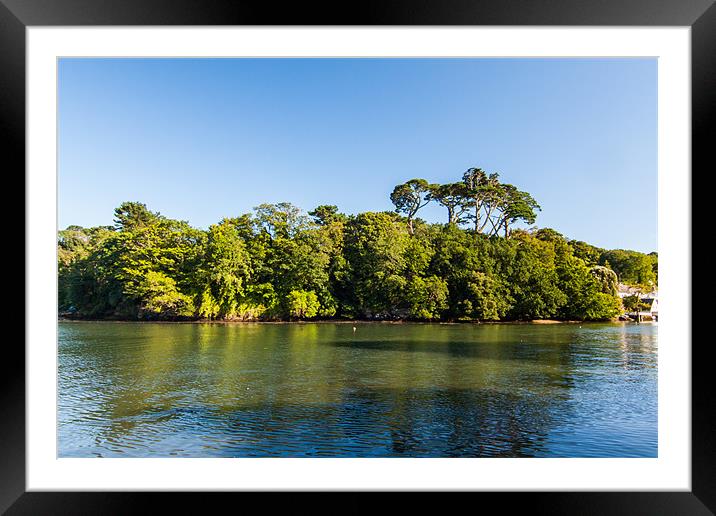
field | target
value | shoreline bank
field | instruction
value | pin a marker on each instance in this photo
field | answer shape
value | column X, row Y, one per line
column 341, row 321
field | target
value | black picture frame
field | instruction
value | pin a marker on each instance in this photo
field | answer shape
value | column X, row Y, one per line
column 17, row 15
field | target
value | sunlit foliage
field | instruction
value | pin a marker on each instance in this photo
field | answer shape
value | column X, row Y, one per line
column 279, row 263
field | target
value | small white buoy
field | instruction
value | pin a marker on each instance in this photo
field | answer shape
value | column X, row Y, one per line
column 354, row 329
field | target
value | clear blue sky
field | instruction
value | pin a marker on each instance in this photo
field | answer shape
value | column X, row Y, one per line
column 202, row 139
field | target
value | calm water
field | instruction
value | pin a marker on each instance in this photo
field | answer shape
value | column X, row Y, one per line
column 411, row 390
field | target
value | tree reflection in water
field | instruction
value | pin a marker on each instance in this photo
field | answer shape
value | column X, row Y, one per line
column 323, row 390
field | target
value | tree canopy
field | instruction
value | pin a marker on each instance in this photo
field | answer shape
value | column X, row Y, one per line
column 281, row 263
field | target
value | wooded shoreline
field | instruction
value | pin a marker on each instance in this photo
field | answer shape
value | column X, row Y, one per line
column 329, row 321
column 281, row 264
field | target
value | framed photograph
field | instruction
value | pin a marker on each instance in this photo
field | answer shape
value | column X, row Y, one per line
column 423, row 247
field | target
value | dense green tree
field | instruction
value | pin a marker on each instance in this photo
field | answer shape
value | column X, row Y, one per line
column 513, row 205
column 485, row 298
column 632, row 267
column 162, row 245
column 375, row 246
column 533, row 280
column 280, row 263
column 550, row 235
column 481, row 189
column 226, row 269
column 496, row 206
column 585, row 252
column 114, row 278
column 159, row 297
column 280, row 220
column 302, row 304
column 426, row 297
column 654, row 257
column 410, row 197
column 327, row 214
column 85, row 282
column 130, row 215
column 584, row 296
column 292, row 253
column 454, row 197
column 470, row 270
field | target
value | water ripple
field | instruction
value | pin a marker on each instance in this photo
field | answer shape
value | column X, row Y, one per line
column 159, row 390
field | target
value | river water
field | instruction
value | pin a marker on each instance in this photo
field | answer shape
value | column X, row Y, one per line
column 383, row 390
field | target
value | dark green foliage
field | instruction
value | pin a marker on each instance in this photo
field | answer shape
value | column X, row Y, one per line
column 654, row 257
column 585, row 252
column 279, row 263
column 327, row 214
column 226, row 268
column 455, row 197
column 631, row 267
column 409, row 197
column 375, row 248
column 534, row 279
column 492, row 206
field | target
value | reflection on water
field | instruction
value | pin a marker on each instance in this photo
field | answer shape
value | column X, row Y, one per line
column 314, row 390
